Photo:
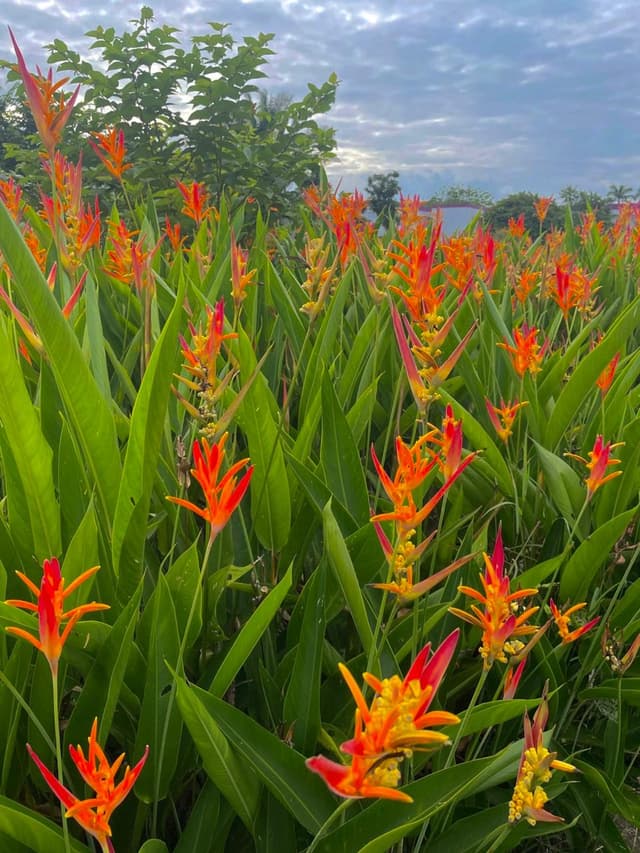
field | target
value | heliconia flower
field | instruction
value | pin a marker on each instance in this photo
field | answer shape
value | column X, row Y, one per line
column 502, row 417
column 563, row 618
column 49, row 115
column 109, row 147
column 240, row 278
column 500, row 626
column 405, row 588
column 409, row 214
column 51, row 616
column 195, row 200
column 11, row 197
column 397, row 722
column 93, row 814
column 598, row 462
column 449, row 440
column 630, row 655
column 129, row 261
column 606, row 377
column 536, row 764
column 542, row 206
column 525, row 285
column 512, row 679
column 527, row 353
column 222, row 496
column 173, row 234
column 420, row 392
column 517, row 226
column 415, row 265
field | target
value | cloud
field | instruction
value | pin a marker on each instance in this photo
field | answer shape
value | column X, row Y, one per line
column 527, row 95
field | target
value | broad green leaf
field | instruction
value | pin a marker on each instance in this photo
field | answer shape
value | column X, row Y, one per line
column 196, row 837
column 223, row 767
column 141, row 460
column 345, row 574
column 276, row 829
column 627, row 689
column 270, row 500
column 281, row 768
column 249, row 636
column 36, row 833
column 154, row 845
column 89, row 414
column 340, row 458
column 492, row 714
column 101, row 689
column 582, row 381
column 183, row 580
column 302, row 699
column 33, row 456
column 562, row 483
column 624, row 800
column 159, row 725
column 579, row 572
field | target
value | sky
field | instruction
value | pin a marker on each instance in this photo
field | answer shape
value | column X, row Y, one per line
column 504, row 96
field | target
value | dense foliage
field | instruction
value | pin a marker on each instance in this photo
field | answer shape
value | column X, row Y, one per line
column 331, row 532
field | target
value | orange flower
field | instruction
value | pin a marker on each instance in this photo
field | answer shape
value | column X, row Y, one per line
column 598, row 463
column 50, row 601
column 517, row 226
column 415, row 265
column 562, row 620
column 512, row 679
column 542, row 206
column 526, row 354
column 606, row 377
column 497, row 620
column 128, row 260
column 240, row 278
column 449, row 440
column 536, row 764
column 49, row 114
column 173, row 233
column 94, row 813
column 502, row 417
column 222, row 497
column 11, row 197
column 109, row 147
column 195, row 200
column 525, row 285
column 397, row 722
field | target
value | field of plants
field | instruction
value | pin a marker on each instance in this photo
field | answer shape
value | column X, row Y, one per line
column 313, row 535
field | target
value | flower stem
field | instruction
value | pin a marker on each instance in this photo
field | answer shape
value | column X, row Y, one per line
column 338, row 812
column 56, row 726
column 474, row 700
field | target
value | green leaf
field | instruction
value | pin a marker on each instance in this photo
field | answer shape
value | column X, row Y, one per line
column 340, row 458
column 249, row 636
column 492, row 714
column 154, row 845
column 340, row 562
column 196, row 836
column 563, row 484
column 101, row 689
column 183, row 580
column 281, row 768
column 583, row 379
column 223, row 767
column 270, row 500
column 88, row 412
column 627, row 689
column 159, row 725
column 34, row 832
column 142, row 457
column 302, row 699
column 33, row 456
column 579, row 572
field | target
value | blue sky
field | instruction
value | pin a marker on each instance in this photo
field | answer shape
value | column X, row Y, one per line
column 504, row 96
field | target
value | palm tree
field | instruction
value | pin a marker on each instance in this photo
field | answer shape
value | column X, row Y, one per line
column 619, row 193
column 570, row 196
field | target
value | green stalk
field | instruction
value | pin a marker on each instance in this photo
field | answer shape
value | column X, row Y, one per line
column 339, row 812
column 56, row 726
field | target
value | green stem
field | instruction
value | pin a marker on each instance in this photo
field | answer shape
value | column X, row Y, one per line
column 474, row 699
column 338, row 812
column 502, row 834
column 56, row 726
column 172, row 696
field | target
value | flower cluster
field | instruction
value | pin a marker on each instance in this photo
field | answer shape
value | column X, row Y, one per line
column 94, row 813
column 536, row 764
column 497, row 619
column 396, row 722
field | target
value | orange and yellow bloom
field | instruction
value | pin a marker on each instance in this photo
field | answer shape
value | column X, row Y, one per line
column 526, row 353
column 109, row 147
column 500, row 626
column 536, row 764
column 503, row 416
column 50, row 609
column 563, row 619
column 597, row 464
column 94, row 813
column 387, row 731
column 222, row 495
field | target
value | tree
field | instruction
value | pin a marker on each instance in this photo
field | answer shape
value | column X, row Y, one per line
column 570, row 195
column 382, row 190
column 191, row 114
column 512, row 206
column 620, row 193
